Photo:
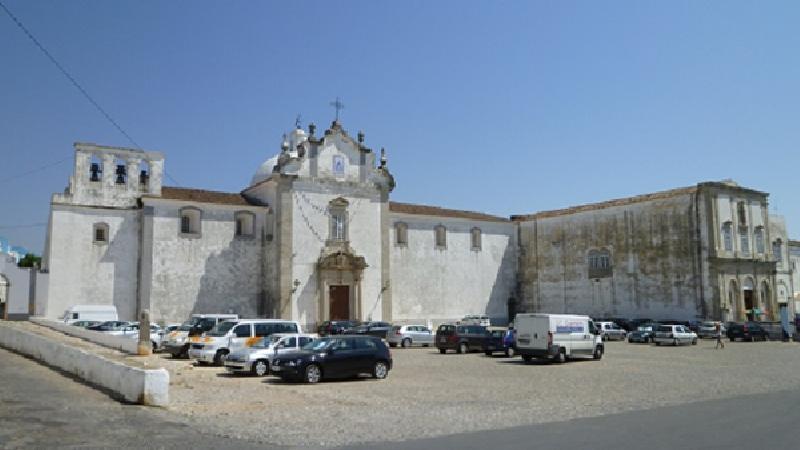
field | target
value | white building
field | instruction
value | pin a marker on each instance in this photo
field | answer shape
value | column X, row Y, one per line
column 313, row 237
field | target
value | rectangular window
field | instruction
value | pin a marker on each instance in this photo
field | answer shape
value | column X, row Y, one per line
column 745, row 241
column 440, row 236
column 476, row 239
column 338, row 232
column 186, row 224
column 239, row 227
column 759, row 235
column 777, row 250
column 401, row 234
column 100, row 235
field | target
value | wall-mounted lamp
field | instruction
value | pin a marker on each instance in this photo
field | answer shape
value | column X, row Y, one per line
column 295, row 284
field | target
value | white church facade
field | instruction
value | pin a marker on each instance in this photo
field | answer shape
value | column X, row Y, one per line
column 315, row 237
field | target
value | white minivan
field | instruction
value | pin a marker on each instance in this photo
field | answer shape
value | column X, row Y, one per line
column 556, row 337
column 232, row 335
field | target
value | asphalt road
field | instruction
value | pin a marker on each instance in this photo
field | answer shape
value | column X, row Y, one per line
column 41, row 407
column 747, row 422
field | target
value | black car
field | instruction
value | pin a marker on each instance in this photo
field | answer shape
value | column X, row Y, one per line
column 335, row 357
column 748, row 331
column 644, row 333
column 379, row 329
column 337, row 327
column 461, row 338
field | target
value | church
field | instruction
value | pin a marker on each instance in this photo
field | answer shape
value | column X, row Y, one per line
column 314, row 236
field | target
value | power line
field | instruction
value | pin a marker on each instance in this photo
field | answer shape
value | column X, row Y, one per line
column 38, row 169
column 75, row 82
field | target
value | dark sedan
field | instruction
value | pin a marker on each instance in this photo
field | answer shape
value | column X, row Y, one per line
column 644, row 333
column 748, row 331
column 335, row 357
column 379, row 329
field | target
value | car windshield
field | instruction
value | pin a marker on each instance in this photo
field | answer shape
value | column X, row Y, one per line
column 221, row 329
column 320, row 344
column 665, row 329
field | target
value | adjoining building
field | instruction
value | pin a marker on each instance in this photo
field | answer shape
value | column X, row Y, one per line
column 315, row 237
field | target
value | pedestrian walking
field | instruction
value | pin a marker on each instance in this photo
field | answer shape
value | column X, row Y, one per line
column 718, row 330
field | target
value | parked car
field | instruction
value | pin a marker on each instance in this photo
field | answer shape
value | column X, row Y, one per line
column 644, row 333
column 476, row 319
column 337, row 327
column 85, row 323
column 156, row 334
column 557, row 337
column 499, row 340
column 256, row 360
column 379, row 329
column 177, row 343
column 461, row 338
column 111, row 327
column 708, row 329
column 408, row 335
column 748, row 331
column 335, row 357
column 233, row 335
column 675, row 335
column 610, row 331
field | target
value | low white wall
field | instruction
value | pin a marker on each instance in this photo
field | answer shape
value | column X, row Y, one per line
column 147, row 387
column 124, row 343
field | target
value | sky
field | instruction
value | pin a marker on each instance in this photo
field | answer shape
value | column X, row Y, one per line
column 505, row 107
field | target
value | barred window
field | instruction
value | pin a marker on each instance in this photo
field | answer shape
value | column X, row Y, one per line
column 475, row 235
column 401, row 233
column 440, row 235
column 727, row 236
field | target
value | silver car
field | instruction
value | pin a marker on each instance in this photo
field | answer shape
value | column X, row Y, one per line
column 257, row 359
column 408, row 335
column 708, row 329
column 610, row 331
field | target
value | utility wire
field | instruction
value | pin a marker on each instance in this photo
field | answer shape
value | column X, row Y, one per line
column 38, row 169
column 75, row 82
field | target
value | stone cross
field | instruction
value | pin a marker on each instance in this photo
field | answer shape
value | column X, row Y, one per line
column 144, row 347
column 338, row 105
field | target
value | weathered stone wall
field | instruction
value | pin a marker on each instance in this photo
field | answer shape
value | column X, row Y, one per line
column 84, row 272
column 310, row 225
column 435, row 285
column 15, row 290
column 653, row 250
column 214, row 272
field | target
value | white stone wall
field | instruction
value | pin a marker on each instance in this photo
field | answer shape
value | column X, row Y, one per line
column 215, row 272
column 436, row 285
column 83, row 272
column 310, row 230
column 16, row 293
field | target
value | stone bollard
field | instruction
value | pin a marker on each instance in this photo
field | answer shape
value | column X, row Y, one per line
column 144, row 348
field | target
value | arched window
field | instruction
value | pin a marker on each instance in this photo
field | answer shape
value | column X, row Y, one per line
column 744, row 237
column 758, row 234
column 338, row 219
column 100, row 233
column 777, row 250
column 727, row 236
column 440, row 236
column 245, row 224
column 475, row 238
column 599, row 262
column 401, row 233
column 190, row 221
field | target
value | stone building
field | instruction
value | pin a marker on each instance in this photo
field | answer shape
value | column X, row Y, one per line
column 705, row 251
column 314, row 236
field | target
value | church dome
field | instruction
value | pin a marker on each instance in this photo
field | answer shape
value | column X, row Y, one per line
column 265, row 170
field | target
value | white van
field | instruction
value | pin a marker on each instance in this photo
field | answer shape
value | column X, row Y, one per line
column 232, row 335
column 556, row 336
column 176, row 342
column 97, row 313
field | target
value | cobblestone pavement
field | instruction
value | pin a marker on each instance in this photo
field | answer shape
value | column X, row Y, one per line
column 428, row 394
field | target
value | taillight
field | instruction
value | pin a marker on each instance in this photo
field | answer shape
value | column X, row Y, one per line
column 549, row 338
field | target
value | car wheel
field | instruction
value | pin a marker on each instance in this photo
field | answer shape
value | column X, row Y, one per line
column 675, row 342
column 260, row 368
column 598, row 352
column 392, row 344
column 442, row 351
column 406, row 343
column 694, row 341
column 648, row 340
column 462, row 348
column 155, row 347
column 560, row 357
column 487, row 353
column 184, row 352
column 312, row 374
column 510, row 352
column 527, row 358
column 380, row 370
column 766, row 337
column 220, row 357
column 733, row 339
column 658, row 344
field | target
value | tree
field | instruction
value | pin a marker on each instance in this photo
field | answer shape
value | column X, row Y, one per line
column 29, row 260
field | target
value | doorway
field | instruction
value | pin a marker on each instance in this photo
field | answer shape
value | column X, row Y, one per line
column 748, row 305
column 339, row 302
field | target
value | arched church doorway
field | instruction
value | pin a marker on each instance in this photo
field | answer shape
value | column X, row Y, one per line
column 748, row 294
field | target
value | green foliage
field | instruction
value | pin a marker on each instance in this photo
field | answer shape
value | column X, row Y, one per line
column 29, row 260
